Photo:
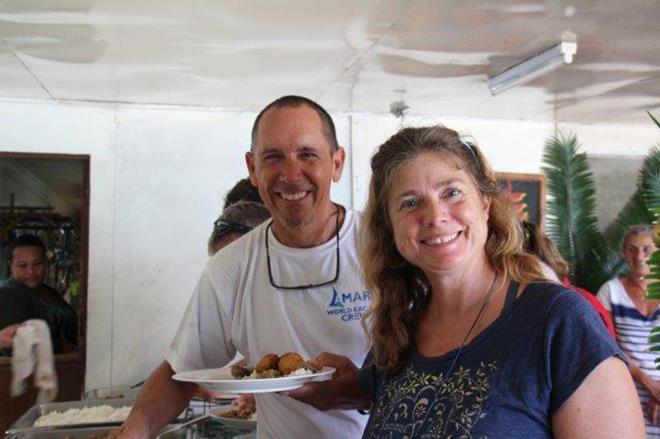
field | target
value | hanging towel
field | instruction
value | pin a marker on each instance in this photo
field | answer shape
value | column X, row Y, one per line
column 32, row 351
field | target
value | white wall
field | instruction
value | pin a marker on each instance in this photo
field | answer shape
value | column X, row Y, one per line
column 510, row 146
column 158, row 176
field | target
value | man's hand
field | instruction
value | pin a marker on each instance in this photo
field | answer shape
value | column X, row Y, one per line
column 244, row 402
column 160, row 400
column 7, row 335
column 129, row 431
column 342, row 392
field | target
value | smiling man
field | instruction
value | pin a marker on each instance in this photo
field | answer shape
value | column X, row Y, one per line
column 290, row 285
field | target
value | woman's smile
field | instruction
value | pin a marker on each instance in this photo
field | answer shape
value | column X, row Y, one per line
column 441, row 239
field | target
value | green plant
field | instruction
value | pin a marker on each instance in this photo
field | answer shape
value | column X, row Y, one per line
column 653, row 292
column 571, row 221
column 647, row 194
column 654, row 119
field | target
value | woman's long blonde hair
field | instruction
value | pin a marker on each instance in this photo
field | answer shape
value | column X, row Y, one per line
column 399, row 289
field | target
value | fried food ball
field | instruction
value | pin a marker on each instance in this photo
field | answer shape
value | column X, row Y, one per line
column 240, row 371
column 289, row 362
column 268, row 361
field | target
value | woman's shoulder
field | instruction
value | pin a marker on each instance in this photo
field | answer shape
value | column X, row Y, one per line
column 9, row 287
column 544, row 291
column 613, row 289
column 549, row 296
column 57, row 296
column 7, row 283
column 614, row 284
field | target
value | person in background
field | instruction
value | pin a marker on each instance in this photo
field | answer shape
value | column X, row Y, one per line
column 555, row 267
column 25, row 296
column 634, row 317
column 259, row 295
column 236, row 220
column 243, row 190
column 468, row 337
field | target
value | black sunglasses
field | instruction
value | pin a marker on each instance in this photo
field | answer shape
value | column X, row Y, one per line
column 302, row 287
column 224, row 227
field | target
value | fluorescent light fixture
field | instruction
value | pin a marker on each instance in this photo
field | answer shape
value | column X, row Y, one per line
column 533, row 67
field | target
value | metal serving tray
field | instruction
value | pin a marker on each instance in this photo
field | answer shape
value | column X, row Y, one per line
column 26, row 421
column 123, row 392
column 188, row 432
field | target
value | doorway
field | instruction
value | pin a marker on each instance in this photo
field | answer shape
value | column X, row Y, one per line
column 47, row 195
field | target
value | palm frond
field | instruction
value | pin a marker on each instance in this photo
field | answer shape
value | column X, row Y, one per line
column 651, row 189
column 636, row 210
column 600, row 265
column 654, row 119
column 653, row 292
column 571, row 220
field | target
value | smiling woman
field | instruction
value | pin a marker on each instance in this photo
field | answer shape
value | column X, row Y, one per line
column 467, row 336
column 634, row 317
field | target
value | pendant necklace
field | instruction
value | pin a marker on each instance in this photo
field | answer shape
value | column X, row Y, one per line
column 474, row 323
column 460, row 349
column 467, row 336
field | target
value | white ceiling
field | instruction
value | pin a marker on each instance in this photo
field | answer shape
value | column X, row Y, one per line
column 348, row 55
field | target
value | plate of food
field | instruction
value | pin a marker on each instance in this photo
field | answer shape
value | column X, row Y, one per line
column 271, row 374
column 240, row 419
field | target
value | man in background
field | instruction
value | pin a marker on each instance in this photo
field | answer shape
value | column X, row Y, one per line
column 236, row 220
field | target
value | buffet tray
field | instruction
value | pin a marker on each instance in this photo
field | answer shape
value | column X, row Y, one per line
column 26, row 421
column 123, row 392
column 69, row 432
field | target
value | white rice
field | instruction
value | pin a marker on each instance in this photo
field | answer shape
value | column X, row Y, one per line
column 301, row 372
column 85, row 415
column 296, row 373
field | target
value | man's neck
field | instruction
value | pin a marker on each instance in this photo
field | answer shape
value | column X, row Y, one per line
column 322, row 229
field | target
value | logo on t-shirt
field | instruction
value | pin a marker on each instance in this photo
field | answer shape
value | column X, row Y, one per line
column 349, row 305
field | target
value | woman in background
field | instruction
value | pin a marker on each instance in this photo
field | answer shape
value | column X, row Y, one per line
column 555, row 267
column 25, row 296
column 634, row 317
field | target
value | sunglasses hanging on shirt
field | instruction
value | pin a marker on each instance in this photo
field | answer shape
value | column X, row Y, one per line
column 302, row 287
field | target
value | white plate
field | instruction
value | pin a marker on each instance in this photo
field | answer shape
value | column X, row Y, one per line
column 220, row 380
column 239, row 424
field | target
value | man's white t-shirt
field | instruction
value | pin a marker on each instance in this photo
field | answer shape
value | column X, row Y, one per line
column 235, row 307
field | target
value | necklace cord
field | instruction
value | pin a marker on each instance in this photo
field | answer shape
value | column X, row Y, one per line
column 460, row 349
column 474, row 323
column 457, row 355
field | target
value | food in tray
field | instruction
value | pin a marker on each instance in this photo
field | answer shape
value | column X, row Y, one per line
column 273, row 366
column 85, row 415
column 249, row 413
